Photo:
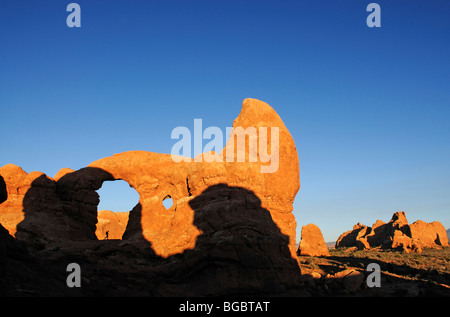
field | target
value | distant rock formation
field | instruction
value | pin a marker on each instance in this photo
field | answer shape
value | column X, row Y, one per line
column 312, row 242
column 229, row 222
column 396, row 234
column 431, row 234
column 111, row 225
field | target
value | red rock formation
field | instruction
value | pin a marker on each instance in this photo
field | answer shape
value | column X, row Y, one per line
column 62, row 172
column 36, row 185
column 350, row 238
column 41, row 212
column 428, row 234
column 228, row 218
column 111, row 225
column 396, row 234
column 171, row 231
column 312, row 242
column 17, row 183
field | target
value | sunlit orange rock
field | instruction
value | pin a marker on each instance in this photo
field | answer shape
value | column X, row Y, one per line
column 154, row 176
column 111, row 225
column 62, row 172
column 17, row 183
column 431, row 234
column 396, row 234
column 312, row 242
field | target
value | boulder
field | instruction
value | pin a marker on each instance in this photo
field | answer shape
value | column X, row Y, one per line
column 428, row 234
column 312, row 242
column 351, row 279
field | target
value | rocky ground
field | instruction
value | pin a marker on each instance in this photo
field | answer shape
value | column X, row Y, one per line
column 344, row 273
column 118, row 268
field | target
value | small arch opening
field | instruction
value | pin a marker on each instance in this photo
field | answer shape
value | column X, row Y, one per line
column 117, row 199
column 167, row 202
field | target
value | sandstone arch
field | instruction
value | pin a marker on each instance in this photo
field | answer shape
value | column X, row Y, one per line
column 230, row 230
column 154, row 176
column 65, row 207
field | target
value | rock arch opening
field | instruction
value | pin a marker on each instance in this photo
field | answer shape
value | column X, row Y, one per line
column 167, row 202
column 117, row 199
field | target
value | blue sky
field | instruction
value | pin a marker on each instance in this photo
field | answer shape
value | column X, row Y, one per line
column 368, row 108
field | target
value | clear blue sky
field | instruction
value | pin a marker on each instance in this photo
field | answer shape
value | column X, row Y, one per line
column 368, row 108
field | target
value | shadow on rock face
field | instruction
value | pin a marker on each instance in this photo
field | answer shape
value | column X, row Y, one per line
column 61, row 211
column 240, row 251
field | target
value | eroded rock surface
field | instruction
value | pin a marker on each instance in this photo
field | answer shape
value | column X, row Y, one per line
column 396, row 234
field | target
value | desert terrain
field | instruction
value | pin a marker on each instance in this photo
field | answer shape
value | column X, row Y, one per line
column 402, row 274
